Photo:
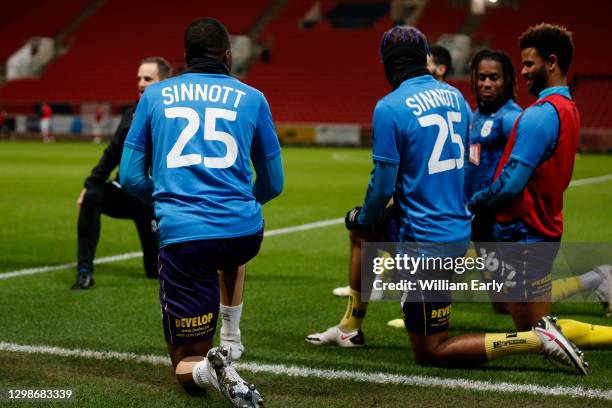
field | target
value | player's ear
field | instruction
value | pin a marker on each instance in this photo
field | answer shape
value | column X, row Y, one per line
column 227, row 58
column 442, row 70
column 552, row 62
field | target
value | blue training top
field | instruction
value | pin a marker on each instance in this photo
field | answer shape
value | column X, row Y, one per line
column 422, row 127
column 488, row 136
column 542, row 121
column 200, row 132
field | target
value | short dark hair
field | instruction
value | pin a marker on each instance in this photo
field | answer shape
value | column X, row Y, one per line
column 550, row 39
column 441, row 56
column 507, row 68
column 164, row 69
column 206, row 37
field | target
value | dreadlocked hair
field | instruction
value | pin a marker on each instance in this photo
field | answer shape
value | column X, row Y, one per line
column 507, row 68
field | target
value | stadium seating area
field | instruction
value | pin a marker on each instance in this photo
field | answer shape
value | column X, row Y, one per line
column 440, row 17
column 502, row 26
column 21, row 20
column 312, row 70
column 108, row 46
column 319, row 74
column 596, row 94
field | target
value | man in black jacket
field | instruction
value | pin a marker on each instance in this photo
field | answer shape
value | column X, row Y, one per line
column 101, row 196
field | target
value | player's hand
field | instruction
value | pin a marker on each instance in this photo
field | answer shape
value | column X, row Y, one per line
column 80, row 198
column 350, row 220
column 474, row 206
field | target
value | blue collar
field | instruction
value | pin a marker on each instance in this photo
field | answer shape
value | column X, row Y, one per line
column 418, row 79
column 561, row 90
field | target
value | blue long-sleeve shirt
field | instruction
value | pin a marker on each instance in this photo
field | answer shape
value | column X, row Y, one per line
column 135, row 178
column 380, row 190
column 536, row 138
column 200, row 134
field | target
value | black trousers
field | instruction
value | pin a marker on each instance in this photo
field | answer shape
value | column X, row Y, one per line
column 111, row 200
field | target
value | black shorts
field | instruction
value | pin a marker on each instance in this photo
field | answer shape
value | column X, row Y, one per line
column 189, row 284
column 494, row 270
column 482, row 227
column 526, row 270
column 426, row 318
column 427, row 312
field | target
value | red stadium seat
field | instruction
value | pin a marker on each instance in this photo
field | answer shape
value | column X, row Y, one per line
column 101, row 65
column 313, row 75
column 24, row 19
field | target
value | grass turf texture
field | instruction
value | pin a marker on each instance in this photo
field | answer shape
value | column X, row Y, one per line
column 288, row 293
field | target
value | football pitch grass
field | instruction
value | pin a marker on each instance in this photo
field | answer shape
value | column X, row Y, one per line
column 288, row 295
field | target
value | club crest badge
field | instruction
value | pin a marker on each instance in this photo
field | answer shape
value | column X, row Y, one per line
column 486, row 128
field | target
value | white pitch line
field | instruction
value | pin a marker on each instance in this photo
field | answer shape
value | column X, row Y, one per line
column 590, row 180
column 96, row 355
column 43, row 269
column 279, row 231
column 345, row 375
column 304, row 227
column 130, row 255
column 347, row 158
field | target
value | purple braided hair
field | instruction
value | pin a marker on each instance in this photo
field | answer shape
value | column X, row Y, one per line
column 403, row 34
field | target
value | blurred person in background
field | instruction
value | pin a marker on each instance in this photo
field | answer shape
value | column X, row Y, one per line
column 439, row 62
column 103, row 196
column 46, row 112
column 98, row 123
column 2, row 122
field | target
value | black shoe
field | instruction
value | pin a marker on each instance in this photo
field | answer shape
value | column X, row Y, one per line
column 83, row 281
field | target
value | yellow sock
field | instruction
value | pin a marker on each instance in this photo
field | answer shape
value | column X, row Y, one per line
column 503, row 344
column 564, row 288
column 355, row 312
column 384, row 254
column 586, row 335
column 471, row 253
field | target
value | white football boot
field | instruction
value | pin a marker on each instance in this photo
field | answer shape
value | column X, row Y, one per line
column 557, row 348
column 344, row 291
column 603, row 292
column 341, row 291
column 396, row 323
column 239, row 393
column 335, row 336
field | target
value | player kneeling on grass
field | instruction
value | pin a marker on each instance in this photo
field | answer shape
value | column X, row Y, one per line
column 426, row 178
column 494, row 84
column 526, row 193
column 189, row 151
